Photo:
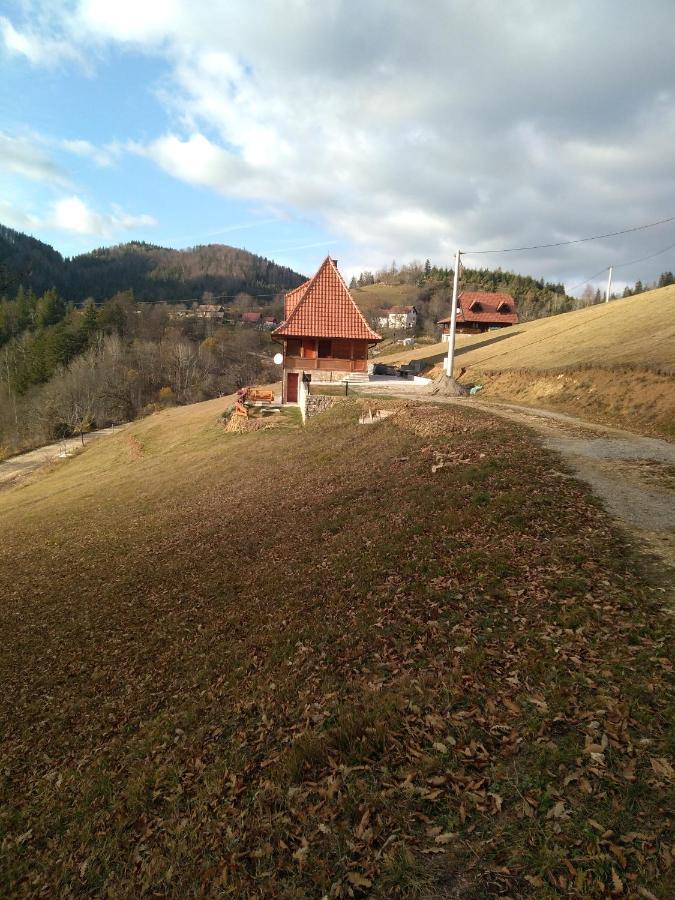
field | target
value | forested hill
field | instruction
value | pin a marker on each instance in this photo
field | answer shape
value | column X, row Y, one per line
column 152, row 272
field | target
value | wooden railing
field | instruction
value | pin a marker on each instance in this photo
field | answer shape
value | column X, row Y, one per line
column 326, row 364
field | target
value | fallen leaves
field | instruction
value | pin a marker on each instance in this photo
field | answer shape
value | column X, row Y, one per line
column 473, row 690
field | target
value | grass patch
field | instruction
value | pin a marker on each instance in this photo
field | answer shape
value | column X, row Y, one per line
column 308, row 662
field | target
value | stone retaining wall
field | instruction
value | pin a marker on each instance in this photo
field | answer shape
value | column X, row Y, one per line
column 318, row 403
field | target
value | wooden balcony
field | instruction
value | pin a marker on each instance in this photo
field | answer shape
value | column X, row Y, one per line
column 325, row 364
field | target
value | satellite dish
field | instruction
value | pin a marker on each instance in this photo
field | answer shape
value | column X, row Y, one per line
column 278, row 358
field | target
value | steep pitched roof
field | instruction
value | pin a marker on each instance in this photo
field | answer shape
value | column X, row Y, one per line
column 324, row 308
column 488, row 307
column 293, row 297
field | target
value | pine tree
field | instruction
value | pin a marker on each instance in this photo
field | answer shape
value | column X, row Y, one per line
column 50, row 309
column 89, row 323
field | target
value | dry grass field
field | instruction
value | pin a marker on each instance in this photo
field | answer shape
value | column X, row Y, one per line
column 374, row 296
column 411, row 659
column 612, row 362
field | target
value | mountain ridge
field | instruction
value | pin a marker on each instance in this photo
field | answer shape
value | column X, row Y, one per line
column 151, row 271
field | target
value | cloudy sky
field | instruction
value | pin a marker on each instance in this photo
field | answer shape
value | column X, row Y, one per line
column 373, row 129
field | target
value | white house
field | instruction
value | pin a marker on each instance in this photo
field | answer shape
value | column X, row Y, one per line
column 398, row 317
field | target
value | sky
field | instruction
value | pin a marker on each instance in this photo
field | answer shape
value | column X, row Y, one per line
column 373, row 130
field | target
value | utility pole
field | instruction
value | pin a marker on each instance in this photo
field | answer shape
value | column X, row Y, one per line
column 450, row 361
column 609, row 284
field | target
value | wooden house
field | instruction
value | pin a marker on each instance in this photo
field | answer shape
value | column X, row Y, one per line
column 479, row 311
column 324, row 334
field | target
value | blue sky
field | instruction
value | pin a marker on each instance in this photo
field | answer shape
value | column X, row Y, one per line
column 364, row 129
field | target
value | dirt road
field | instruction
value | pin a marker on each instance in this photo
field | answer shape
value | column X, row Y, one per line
column 18, row 467
column 632, row 474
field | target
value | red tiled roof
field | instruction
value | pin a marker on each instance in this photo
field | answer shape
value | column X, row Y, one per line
column 323, row 308
column 250, row 316
column 398, row 310
column 293, row 297
column 488, row 307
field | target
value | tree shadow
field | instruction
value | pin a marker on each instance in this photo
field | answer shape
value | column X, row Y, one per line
column 486, row 343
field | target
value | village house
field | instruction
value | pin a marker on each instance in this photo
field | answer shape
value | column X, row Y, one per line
column 324, row 334
column 398, row 317
column 251, row 318
column 209, row 311
column 479, row 311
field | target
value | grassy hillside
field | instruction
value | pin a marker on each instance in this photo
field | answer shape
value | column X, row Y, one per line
column 408, row 660
column 613, row 361
column 375, row 296
column 638, row 331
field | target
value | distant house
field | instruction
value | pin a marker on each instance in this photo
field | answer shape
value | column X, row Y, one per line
column 324, row 334
column 209, row 311
column 479, row 311
column 269, row 323
column 251, row 318
column 399, row 317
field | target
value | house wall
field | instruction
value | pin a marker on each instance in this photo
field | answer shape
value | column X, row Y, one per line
column 302, row 355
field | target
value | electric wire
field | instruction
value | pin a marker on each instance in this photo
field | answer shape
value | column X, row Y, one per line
column 620, row 266
column 595, row 237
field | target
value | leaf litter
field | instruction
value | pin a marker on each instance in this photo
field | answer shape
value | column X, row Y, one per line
column 291, row 670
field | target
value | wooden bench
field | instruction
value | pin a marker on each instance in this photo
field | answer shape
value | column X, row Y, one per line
column 258, row 395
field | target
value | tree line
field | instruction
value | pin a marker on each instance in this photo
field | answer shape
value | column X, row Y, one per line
column 535, row 297
column 151, row 271
column 67, row 369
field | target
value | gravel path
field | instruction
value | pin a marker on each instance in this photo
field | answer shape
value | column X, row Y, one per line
column 633, row 475
column 18, row 467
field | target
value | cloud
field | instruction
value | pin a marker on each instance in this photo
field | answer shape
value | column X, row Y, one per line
column 17, row 218
column 410, row 130
column 102, row 157
column 37, row 48
column 25, row 157
column 73, row 215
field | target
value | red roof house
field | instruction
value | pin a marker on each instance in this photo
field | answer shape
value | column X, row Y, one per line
column 324, row 333
column 478, row 311
column 251, row 318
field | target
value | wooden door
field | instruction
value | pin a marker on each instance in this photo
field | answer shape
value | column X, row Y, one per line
column 292, row 387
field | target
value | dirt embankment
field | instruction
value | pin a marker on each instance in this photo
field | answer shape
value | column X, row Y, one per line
column 637, row 399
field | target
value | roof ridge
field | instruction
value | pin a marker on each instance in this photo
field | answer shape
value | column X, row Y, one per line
column 356, row 307
column 327, row 284
column 309, row 284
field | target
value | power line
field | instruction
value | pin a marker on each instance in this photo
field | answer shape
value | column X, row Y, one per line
column 643, row 258
column 595, row 237
column 590, row 278
column 620, row 266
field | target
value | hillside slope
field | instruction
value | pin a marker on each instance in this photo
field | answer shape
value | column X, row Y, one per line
column 612, row 361
column 637, row 331
column 152, row 272
column 223, row 675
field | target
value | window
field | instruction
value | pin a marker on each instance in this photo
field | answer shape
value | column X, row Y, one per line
column 309, row 348
column 293, row 347
column 324, row 349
